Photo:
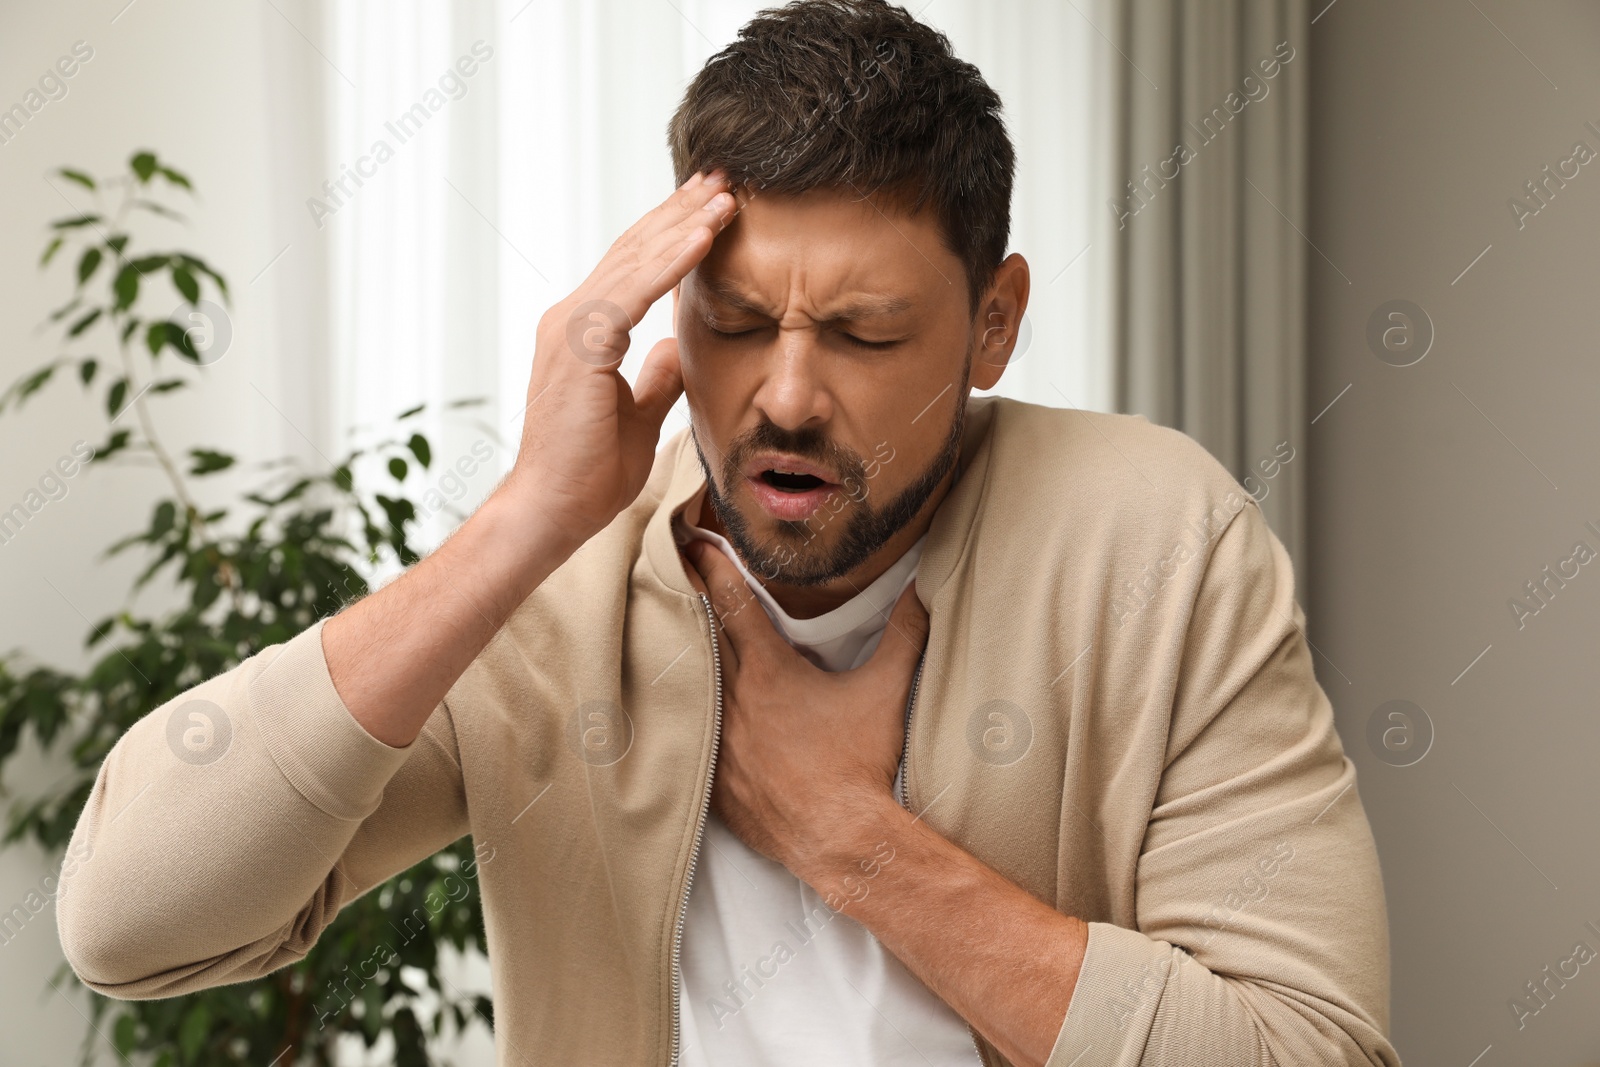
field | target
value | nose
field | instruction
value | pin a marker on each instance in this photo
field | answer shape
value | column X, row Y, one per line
column 793, row 393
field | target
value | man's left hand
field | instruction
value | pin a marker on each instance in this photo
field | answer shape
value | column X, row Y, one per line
column 804, row 751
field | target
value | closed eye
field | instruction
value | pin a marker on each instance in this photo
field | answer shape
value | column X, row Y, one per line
column 849, row 338
column 727, row 333
column 859, row 343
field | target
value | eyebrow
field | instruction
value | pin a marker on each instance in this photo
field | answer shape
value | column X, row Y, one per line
column 860, row 308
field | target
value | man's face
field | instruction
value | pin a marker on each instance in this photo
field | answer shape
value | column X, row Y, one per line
column 827, row 352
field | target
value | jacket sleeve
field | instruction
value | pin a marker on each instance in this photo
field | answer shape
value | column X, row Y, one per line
column 1262, row 933
column 227, row 828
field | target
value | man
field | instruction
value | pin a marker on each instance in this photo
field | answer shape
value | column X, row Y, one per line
column 970, row 731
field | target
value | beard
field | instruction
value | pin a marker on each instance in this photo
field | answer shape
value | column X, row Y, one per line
column 794, row 557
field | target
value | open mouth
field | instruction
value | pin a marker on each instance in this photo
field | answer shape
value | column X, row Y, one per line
column 788, row 488
column 791, row 482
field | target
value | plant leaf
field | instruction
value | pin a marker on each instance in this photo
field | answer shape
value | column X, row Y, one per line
column 21, row 389
column 114, row 444
column 408, row 412
column 398, row 511
column 115, row 397
column 176, row 178
column 144, row 165
column 167, row 385
column 159, row 209
column 126, row 287
column 184, row 280
column 51, row 249
column 184, row 343
column 421, row 449
column 398, row 469
column 86, row 370
column 126, row 1035
column 74, row 222
column 196, row 263
column 84, row 323
column 162, row 520
column 117, row 242
column 77, row 176
column 192, row 1032
column 88, row 263
column 101, row 629
column 35, row 382
column 208, row 462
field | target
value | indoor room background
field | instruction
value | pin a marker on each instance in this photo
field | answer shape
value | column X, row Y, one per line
column 1367, row 283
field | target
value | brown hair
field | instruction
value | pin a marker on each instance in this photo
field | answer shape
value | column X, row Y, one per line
column 859, row 95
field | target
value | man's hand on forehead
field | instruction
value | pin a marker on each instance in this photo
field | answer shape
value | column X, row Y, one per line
column 589, row 439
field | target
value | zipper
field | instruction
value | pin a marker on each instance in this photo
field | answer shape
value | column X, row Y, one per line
column 699, row 833
column 905, row 802
column 905, row 743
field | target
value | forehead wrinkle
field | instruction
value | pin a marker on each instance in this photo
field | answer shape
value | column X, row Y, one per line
column 729, row 294
column 854, row 310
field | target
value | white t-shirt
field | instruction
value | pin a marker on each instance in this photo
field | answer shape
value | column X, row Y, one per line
column 771, row 976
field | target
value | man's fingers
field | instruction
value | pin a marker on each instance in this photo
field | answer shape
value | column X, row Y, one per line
column 635, row 276
column 699, row 584
column 743, row 618
column 642, row 266
column 687, row 199
column 653, row 221
column 656, row 237
column 659, row 384
column 904, row 638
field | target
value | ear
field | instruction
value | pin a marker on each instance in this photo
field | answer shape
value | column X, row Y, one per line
column 999, row 321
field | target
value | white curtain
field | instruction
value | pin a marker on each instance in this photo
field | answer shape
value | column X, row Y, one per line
column 408, row 213
column 444, row 258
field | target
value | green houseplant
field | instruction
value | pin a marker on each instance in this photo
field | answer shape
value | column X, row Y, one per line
column 248, row 574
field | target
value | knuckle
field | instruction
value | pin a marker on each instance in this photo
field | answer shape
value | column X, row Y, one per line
column 628, row 257
column 628, row 240
column 669, row 247
column 552, row 328
column 625, row 250
column 758, row 673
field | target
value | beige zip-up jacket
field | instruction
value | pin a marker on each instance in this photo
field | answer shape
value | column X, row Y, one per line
column 1116, row 710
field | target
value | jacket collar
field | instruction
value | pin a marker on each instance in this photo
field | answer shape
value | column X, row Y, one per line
column 947, row 535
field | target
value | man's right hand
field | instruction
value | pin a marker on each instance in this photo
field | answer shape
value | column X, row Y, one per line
column 588, row 440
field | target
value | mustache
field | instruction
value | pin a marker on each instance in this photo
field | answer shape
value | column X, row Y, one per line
column 811, row 444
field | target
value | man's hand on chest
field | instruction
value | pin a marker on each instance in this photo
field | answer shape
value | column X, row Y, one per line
column 807, row 756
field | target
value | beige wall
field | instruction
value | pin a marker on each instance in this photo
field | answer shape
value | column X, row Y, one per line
column 1438, row 489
